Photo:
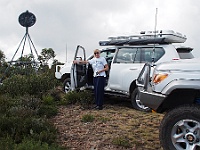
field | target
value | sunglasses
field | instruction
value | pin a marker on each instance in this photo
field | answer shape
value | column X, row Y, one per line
column 96, row 53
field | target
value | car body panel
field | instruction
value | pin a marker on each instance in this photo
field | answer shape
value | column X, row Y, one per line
column 185, row 70
column 63, row 69
column 151, row 99
column 182, row 75
column 121, row 75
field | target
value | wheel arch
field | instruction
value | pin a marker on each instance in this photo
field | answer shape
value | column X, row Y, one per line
column 65, row 76
column 132, row 87
column 179, row 97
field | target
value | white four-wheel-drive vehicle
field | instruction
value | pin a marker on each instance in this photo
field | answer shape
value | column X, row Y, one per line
column 126, row 56
column 174, row 88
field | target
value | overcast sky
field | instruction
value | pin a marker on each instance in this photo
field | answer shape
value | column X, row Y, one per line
column 68, row 23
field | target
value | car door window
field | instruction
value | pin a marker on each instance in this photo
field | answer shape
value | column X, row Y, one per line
column 108, row 53
column 148, row 53
column 127, row 55
column 138, row 54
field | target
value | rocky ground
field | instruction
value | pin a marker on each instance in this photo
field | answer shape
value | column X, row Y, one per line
column 116, row 127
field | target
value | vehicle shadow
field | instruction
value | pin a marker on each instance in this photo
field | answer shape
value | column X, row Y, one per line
column 117, row 101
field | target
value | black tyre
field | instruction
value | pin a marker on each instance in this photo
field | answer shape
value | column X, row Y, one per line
column 136, row 103
column 67, row 85
column 180, row 129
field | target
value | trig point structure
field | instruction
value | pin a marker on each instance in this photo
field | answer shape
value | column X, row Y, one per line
column 26, row 19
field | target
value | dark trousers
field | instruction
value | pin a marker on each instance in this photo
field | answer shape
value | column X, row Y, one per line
column 99, row 84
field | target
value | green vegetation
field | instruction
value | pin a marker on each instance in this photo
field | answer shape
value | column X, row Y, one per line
column 27, row 144
column 84, row 98
column 28, row 98
column 121, row 141
column 87, row 118
column 23, row 118
column 18, row 85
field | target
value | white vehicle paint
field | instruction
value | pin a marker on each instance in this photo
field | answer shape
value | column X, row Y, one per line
column 126, row 61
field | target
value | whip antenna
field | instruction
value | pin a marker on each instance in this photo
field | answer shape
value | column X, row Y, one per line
column 156, row 20
column 153, row 55
column 66, row 52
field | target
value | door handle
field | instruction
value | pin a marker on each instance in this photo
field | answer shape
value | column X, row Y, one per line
column 133, row 69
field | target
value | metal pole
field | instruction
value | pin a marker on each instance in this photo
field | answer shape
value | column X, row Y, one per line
column 153, row 55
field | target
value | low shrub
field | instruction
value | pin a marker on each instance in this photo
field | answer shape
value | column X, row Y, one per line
column 70, row 98
column 57, row 93
column 121, row 141
column 23, row 106
column 21, row 111
column 29, row 101
column 25, row 103
column 27, row 144
column 84, row 98
column 15, row 85
column 14, row 127
column 5, row 102
column 87, row 118
column 35, row 145
column 42, row 130
column 7, row 143
column 104, row 119
column 19, row 118
column 48, row 111
column 48, row 99
column 18, row 128
column 34, row 84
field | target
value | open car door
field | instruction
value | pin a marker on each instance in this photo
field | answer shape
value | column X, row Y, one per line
column 78, row 71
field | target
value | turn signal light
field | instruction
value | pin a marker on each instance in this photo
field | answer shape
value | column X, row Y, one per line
column 159, row 78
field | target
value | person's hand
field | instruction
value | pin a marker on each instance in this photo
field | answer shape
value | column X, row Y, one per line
column 97, row 73
column 76, row 62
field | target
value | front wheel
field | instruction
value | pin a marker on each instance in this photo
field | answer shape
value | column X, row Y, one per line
column 67, row 85
column 180, row 129
column 136, row 103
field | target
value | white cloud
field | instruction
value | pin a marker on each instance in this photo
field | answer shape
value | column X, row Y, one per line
column 74, row 22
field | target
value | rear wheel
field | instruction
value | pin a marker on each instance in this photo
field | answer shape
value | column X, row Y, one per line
column 136, row 103
column 180, row 129
column 67, row 85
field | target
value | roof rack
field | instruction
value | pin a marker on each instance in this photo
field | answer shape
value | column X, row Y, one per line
column 146, row 37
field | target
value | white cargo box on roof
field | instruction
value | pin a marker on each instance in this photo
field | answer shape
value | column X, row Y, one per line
column 147, row 37
column 169, row 35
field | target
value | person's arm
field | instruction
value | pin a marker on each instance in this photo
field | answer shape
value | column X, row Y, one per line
column 104, row 69
column 80, row 61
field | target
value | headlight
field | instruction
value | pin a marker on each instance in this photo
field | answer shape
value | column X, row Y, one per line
column 159, row 78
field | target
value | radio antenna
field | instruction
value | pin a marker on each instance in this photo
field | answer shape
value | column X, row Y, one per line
column 153, row 55
column 66, row 52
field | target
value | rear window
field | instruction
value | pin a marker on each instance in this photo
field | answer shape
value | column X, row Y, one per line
column 185, row 52
column 185, row 55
